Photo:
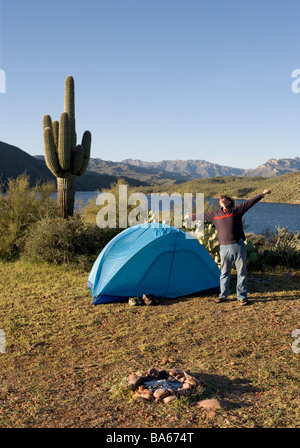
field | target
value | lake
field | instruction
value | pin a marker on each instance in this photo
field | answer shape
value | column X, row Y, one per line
column 263, row 216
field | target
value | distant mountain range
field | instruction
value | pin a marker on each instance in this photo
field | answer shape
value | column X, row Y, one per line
column 275, row 167
column 196, row 169
column 177, row 171
column 102, row 173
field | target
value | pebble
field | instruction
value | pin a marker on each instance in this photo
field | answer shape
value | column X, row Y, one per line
column 211, row 403
column 169, row 399
column 191, row 381
column 134, row 381
column 161, row 393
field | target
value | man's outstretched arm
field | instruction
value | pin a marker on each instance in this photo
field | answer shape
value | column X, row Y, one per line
column 207, row 216
column 245, row 206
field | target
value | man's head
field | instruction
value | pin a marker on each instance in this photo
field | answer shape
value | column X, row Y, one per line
column 226, row 202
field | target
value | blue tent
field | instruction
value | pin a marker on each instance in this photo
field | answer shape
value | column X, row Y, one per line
column 152, row 259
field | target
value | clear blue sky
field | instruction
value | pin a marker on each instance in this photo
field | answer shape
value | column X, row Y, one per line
column 156, row 79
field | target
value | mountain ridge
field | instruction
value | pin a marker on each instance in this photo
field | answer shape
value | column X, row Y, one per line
column 191, row 168
column 14, row 162
column 102, row 173
column 201, row 168
column 183, row 170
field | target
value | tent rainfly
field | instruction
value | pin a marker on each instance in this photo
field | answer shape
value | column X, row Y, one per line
column 153, row 259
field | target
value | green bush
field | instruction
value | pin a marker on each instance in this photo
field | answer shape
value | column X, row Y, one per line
column 281, row 248
column 58, row 240
column 286, row 248
column 21, row 206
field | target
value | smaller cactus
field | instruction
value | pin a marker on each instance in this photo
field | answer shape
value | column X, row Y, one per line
column 253, row 255
column 209, row 240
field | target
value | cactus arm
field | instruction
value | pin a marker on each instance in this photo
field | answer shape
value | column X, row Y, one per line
column 50, row 153
column 69, row 104
column 86, row 143
column 55, row 127
column 64, row 148
column 47, row 122
column 77, row 159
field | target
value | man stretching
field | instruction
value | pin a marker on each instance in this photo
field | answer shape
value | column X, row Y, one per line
column 228, row 222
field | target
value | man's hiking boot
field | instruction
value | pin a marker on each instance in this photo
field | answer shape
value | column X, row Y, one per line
column 135, row 301
column 149, row 299
column 220, row 300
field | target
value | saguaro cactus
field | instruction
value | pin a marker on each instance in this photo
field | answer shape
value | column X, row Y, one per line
column 64, row 158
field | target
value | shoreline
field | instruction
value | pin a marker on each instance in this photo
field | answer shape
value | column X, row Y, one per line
column 297, row 202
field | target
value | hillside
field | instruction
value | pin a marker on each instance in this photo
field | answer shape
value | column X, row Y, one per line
column 14, row 162
column 274, row 167
column 285, row 188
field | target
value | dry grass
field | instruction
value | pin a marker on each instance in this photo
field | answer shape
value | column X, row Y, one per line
column 66, row 360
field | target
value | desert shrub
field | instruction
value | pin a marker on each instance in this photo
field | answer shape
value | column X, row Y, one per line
column 59, row 241
column 260, row 240
column 286, row 248
column 21, row 206
column 281, row 248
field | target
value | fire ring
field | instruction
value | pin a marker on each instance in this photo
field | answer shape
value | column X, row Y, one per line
column 159, row 385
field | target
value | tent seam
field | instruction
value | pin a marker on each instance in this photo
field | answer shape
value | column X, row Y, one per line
column 173, row 255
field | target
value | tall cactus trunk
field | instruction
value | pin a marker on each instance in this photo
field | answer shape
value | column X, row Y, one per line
column 66, row 187
column 63, row 158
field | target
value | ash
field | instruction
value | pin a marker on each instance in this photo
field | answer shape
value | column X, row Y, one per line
column 164, row 384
